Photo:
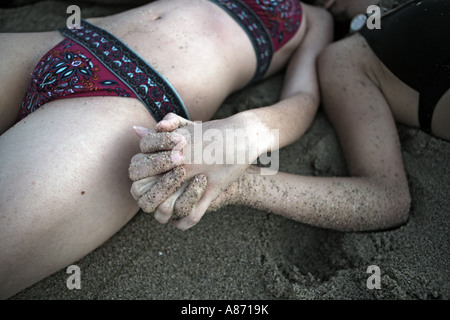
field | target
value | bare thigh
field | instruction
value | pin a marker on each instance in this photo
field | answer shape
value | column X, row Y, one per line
column 64, row 186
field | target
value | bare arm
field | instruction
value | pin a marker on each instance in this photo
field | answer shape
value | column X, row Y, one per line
column 376, row 194
column 300, row 96
column 279, row 125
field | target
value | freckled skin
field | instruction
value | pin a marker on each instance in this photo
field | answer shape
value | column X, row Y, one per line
column 345, row 204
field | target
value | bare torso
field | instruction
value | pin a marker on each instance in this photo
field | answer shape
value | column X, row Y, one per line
column 194, row 45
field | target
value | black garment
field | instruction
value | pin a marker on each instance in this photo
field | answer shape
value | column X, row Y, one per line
column 414, row 43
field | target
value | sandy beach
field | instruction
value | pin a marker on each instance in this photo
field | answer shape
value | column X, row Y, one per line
column 240, row 253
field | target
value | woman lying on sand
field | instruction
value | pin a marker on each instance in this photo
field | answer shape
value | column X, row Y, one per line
column 368, row 81
column 64, row 162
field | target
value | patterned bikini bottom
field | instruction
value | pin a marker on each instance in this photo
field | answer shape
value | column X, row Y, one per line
column 92, row 62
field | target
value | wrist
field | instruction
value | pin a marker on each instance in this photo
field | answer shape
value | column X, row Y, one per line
column 260, row 138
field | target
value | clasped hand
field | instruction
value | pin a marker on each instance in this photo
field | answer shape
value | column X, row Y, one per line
column 184, row 166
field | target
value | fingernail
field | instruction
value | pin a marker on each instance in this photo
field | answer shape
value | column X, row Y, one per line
column 140, row 131
column 177, row 158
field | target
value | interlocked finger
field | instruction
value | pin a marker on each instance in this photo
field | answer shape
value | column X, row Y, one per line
column 147, row 165
column 193, row 193
column 161, row 141
column 165, row 210
column 138, row 188
column 162, row 189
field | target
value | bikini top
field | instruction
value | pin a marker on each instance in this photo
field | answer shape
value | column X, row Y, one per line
column 281, row 18
column 270, row 24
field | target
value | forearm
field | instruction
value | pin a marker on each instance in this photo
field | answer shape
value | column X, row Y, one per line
column 345, row 204
column 281, row 124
